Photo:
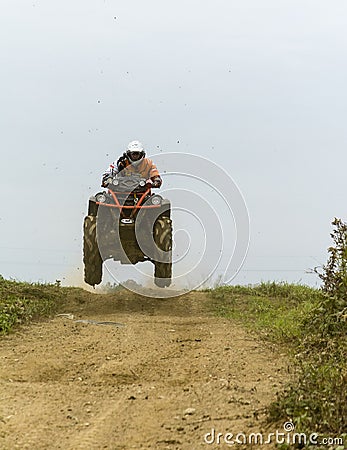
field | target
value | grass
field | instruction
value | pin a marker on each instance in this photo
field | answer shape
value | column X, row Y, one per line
column 21, row 302
column 277, row 311
column 312, row 327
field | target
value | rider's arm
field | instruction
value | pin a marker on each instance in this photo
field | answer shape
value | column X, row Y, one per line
column 154, row 174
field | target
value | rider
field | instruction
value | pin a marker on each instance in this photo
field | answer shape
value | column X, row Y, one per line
column 134, row 161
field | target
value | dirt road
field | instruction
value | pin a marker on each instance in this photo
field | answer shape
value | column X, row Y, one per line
column 173, row 373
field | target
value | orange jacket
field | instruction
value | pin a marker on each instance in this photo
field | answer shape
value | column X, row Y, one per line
column 146, row 168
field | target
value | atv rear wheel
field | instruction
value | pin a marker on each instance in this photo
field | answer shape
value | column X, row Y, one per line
column 163, row 239
column 91, row 255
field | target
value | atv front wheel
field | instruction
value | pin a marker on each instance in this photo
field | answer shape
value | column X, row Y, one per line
column 163, row 239
column 91, row 255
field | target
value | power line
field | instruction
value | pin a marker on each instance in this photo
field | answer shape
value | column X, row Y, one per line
column 36, row 263
column 50, row 250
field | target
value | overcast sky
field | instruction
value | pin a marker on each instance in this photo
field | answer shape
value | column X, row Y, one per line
column 257, row 87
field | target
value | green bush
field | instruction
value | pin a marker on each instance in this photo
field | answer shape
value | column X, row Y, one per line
column 334, row 273
column 317, row 399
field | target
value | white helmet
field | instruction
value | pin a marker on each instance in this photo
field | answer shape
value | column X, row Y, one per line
column 135, row 152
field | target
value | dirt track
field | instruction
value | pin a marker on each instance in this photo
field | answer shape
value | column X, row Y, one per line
column 67, row 385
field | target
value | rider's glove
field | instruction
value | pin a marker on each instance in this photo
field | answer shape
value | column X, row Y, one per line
column 156, row 182
column 122, row 163
column 149, row 184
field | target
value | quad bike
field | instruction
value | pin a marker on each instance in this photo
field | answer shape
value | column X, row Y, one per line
column 128, row 223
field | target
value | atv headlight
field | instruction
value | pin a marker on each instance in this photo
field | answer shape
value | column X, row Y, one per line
column 101, row 198
column 156, row 200
column 142, row 183
column 115, row 182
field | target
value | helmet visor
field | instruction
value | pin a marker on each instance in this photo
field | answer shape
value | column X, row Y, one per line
column 135, row 156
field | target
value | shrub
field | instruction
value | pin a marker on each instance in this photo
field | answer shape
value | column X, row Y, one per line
column 316, row 401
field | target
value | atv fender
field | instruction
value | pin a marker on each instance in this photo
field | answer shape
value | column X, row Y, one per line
column 92, row 206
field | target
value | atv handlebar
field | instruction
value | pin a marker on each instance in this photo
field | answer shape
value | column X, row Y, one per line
column 128, row 183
